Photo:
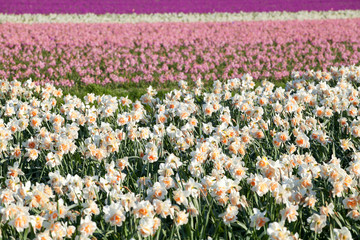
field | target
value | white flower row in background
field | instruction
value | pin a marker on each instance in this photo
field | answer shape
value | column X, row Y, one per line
column 177, row 17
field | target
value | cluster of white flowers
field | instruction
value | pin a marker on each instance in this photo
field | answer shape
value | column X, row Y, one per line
column 177, row 17
column 275, row 161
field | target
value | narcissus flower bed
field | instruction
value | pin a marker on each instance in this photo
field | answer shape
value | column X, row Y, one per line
column 233, row 161
column 78, row 54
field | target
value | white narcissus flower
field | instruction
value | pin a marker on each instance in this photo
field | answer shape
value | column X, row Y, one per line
column 114, row 214
column 342, row 234
column 277, row 230
column 158, row 191
column 163, row 208
column 262, row 186
column 229, row 216
column 317, row 222
column 290, row 213
column 90, row 207
column 143, row 209
column 32, row 154
column 87, row 227
column 146, row 226
column 20, row 222
column 36, row 222
column 181, row 218
column 173, row 161
column 207, row 128
column 327, row 210
column 258, row 219
column 58, row 230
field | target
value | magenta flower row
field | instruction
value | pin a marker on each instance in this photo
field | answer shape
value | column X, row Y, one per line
column 66, row 54
column 167, row 6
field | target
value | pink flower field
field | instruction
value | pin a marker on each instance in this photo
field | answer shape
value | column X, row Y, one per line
column 70, row 54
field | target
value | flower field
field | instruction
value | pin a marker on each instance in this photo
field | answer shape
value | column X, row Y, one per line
column 173, row 6
column 81, row 54
column 232, row 161
column 176, row 17
column 179, row 119
column 162, row 6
